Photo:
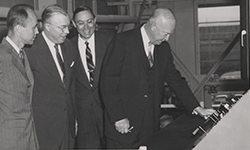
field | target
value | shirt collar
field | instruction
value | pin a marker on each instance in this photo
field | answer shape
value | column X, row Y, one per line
column 13, row 44
column 144, row 35
column 90, row 40
column 48, row 41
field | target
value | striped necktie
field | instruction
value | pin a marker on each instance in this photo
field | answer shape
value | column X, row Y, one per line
column 21, row 55
column 150, row 55
column 90, row 64
column 60, row 61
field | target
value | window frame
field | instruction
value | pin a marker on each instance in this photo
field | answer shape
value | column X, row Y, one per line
column 205, row 3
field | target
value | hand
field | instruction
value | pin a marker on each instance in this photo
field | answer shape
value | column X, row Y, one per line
column 203, row 112
column 122, row 126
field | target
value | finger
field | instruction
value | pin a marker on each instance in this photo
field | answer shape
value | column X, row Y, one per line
column 210, row 110
column 119, row 129
column 122, row 130
column 125, row 130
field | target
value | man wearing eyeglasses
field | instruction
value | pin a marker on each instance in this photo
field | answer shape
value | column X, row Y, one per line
column 51, row 61
column 89, row 48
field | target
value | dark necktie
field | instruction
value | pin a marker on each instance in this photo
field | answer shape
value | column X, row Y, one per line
column 60, row 61
column 90, row 64
column 21, row 55
column 150, row 55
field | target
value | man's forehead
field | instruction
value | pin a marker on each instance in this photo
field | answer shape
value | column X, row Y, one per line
column 55, row 15
column 84, row 15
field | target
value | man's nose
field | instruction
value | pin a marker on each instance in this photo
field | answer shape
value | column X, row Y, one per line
column 85, row 26
column 66, row 30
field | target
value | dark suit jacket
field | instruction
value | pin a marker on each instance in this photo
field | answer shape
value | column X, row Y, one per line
column 125, row 83
column 53, row 103
column 17, row 130
column 88, row 105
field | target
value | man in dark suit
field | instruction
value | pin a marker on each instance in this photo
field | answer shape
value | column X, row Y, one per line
column 136, row 65
column 51, row 61
column 17, row 129
column 88, row 105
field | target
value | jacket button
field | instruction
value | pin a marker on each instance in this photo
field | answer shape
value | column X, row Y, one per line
column 65, row 109
column 146, row 96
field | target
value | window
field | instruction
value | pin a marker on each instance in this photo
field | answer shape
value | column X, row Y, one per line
column 218, row 26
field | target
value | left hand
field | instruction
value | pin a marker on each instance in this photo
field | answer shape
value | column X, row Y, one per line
column 122, row 126
column 203, row 112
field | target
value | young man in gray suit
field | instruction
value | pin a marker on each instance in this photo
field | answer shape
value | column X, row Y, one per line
column 17, row 129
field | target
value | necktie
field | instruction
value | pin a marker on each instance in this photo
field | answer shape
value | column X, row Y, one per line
column 21, row 55
column 60, row 61
column 150, row 55
column 90, row 64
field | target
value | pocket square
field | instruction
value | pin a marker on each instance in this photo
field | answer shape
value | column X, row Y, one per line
column 72, row 64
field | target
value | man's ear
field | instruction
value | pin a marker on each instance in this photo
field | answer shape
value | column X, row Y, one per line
column 18, row 28
column 152, row 26
column 47, row 26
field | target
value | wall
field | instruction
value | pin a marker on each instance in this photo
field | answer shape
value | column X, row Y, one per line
column 182, row 41
column 10, row 3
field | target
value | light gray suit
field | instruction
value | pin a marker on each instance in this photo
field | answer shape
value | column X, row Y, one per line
column 17, row 130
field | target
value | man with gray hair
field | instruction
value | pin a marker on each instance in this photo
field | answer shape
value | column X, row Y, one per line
column 136, row 66
column 51, row 61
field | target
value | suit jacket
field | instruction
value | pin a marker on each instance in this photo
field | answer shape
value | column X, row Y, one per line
column 17, row 130
column 53, row 102
column 88, row 105
column 125, row 84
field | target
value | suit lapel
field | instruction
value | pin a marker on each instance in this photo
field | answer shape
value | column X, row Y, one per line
column 140, row 49
column 29, row 75
column 17, row 62
column 47, row 59
column 15, row 59
column 67, row 63
column 100, row 49
column 28, row 70
column 80, row 69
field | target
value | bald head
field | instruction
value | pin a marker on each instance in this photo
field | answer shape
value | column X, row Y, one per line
column 163, row 13
column 160, row 25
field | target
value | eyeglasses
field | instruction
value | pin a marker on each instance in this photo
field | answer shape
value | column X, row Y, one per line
column 62, row 28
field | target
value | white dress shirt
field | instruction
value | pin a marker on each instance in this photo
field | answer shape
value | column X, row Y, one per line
column 53, row 53
column 146, row 41
column 82, row 51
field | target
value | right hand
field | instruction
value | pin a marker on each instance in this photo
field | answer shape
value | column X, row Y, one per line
column 122, row 126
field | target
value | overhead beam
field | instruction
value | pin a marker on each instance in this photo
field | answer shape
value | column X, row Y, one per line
column 100, row 18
